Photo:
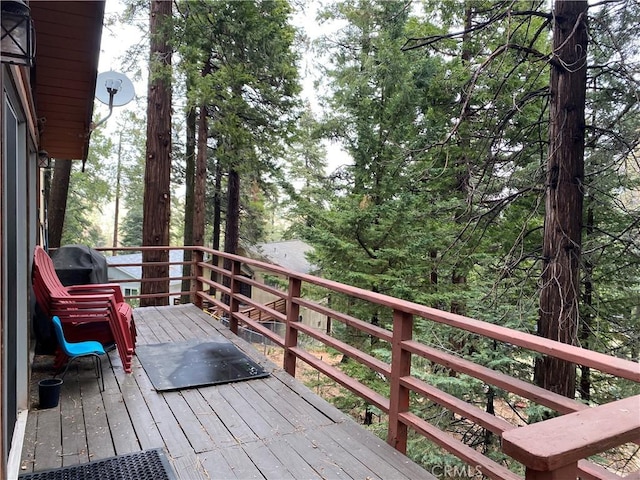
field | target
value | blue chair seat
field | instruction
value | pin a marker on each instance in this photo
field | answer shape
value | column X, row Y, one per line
column 88, row 347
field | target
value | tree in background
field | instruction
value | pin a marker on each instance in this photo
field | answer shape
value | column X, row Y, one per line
column 157, row 196
column 562, row 242
column 57, row 201
column 371, row 227
column 509, row 95
column 304, row 182
column 610, row 265
column 88, row 191
column 133, row 165
column 245, row 80
column 466, row 197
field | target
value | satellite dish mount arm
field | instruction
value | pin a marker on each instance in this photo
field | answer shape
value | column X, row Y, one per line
column 112, row 86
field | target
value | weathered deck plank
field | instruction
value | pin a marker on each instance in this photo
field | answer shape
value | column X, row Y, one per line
column 143, row 423
column 48, row 451
column 234, row 423
column 270, row 428
column 96, row 421
column 218, row 432
column 268, row 464
column 195, row 432
column 74, row 445
column 322, row 464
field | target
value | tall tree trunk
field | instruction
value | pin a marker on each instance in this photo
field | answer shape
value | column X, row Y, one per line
column 58, row 201
column 217, row 208
column 232, row 225
column 157, row 176
column 559, row 297
column 200, row 178
column 217, row 220
column 190, row 168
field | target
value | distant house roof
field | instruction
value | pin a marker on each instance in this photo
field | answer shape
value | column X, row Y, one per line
column 290, row 254
column 135, row 271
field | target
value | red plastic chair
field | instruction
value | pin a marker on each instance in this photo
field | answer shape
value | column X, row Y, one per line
column 88, row 312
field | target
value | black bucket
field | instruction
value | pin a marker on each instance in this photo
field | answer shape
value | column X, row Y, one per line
column 49, row 392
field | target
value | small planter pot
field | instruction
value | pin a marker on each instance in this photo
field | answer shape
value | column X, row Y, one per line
column 49, row 392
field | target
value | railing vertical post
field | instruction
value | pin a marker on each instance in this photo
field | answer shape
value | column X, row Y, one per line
column 197, row 257
column 562, row 473
column 400, row 367
column 291, row 333
column 234, row 303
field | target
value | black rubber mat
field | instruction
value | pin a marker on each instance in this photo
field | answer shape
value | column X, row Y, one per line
column 177, row 365
column 146, row 465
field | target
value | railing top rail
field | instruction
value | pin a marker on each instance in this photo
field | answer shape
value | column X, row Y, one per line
column 557, row 442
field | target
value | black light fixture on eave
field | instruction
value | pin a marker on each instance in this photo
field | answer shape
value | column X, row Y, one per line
column 44, row 160
column 16, row 39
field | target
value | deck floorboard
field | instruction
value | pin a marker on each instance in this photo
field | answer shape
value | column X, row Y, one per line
column 269, row 428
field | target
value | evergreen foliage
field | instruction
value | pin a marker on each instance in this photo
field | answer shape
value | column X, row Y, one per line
column 239, row 56
column 88, row 192
column 449, row 146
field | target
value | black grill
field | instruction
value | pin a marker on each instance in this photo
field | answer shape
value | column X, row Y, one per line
column 146, row 465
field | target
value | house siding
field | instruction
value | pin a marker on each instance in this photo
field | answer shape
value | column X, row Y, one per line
column 18, row 232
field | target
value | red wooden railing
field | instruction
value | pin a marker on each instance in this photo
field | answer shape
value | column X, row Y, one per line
column 551, row 449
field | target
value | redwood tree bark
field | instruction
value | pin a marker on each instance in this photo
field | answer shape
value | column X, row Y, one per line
column 217, row 220
column 157, row 176
column 559, row 297
column 190, row 167
column 232, row 225
column 200, row 179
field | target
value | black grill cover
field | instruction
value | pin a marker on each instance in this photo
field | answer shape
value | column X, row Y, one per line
column 80, row 265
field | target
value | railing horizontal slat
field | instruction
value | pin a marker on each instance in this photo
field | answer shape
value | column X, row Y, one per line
column 218, row 286
column 263, row 308
column 591, row 471
column 343, row 379
column 352, row 352
column 490, row 422
column 214, row 268
column 498, row 379
column 271, row 335
column 348, row 320
column 265, row 288
column 472, row 457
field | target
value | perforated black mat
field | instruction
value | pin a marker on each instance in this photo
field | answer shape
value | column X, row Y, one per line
column 146, row 465
column 196, row 363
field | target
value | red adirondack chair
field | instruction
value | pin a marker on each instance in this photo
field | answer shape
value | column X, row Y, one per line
column 87, row 312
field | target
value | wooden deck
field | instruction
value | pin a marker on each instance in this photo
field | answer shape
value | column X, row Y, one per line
column 269, row 428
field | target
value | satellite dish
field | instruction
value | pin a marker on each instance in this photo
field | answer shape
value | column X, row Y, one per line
column 114, row 89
